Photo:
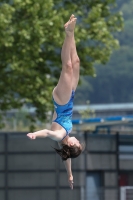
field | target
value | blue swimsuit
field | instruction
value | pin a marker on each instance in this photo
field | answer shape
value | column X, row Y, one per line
column 64, row 114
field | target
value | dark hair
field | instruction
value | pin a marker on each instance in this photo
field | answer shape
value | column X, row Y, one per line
column 69, row 152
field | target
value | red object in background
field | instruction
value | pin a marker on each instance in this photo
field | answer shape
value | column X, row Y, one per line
column 123, row 181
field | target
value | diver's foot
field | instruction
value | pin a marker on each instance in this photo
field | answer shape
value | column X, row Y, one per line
column 66, row 24
column 70, row 25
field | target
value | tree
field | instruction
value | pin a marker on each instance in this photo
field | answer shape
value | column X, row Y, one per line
column 113, row 83
column 31, row 35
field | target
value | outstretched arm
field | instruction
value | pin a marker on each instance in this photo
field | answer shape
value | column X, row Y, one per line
column 67, row 164
column 54, row 135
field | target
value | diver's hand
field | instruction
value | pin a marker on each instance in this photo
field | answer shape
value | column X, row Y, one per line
column 70, row 181
column 31, row 136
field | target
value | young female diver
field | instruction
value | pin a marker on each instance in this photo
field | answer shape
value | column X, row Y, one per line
column 63, row 95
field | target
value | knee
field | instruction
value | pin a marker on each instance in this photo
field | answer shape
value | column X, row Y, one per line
column 69, row 65
column 76, row 61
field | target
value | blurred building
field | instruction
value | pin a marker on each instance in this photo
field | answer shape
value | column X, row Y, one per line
column 32, row 170
column 104, row 118
column 105, row 110
column 104, row 171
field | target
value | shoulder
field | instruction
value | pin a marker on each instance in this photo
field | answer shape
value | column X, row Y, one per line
column 56, row 135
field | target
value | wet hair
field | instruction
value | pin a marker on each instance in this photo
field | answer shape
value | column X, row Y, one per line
column 69, row 152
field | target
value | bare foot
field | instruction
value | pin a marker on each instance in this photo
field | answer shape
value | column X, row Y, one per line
column 70, row 25
column 72, row 16
column 31, row 136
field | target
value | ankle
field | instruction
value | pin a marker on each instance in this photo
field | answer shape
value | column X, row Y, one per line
column 69, row 34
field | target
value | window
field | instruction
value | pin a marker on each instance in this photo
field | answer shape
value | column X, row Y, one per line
column 94, row 186
column 126, row 179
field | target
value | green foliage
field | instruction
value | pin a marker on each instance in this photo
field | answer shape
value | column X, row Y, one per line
column 88, row 113
column 113, row 83
column 31, row 35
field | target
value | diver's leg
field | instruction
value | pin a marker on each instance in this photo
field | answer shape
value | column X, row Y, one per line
column 63, row 90
column 75, row 64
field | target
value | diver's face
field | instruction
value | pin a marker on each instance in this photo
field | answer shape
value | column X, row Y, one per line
column 73, row 141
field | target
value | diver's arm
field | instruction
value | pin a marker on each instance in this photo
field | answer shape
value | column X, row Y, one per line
column 54, row 135
column 67, row 164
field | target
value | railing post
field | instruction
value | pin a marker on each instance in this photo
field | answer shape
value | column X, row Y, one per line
column 57, row 176
column 117, row 162
column 85, row 155
column 6, row 166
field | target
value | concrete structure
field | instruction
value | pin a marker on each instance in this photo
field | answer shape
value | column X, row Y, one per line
column 105, row 110
column 32, row 170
